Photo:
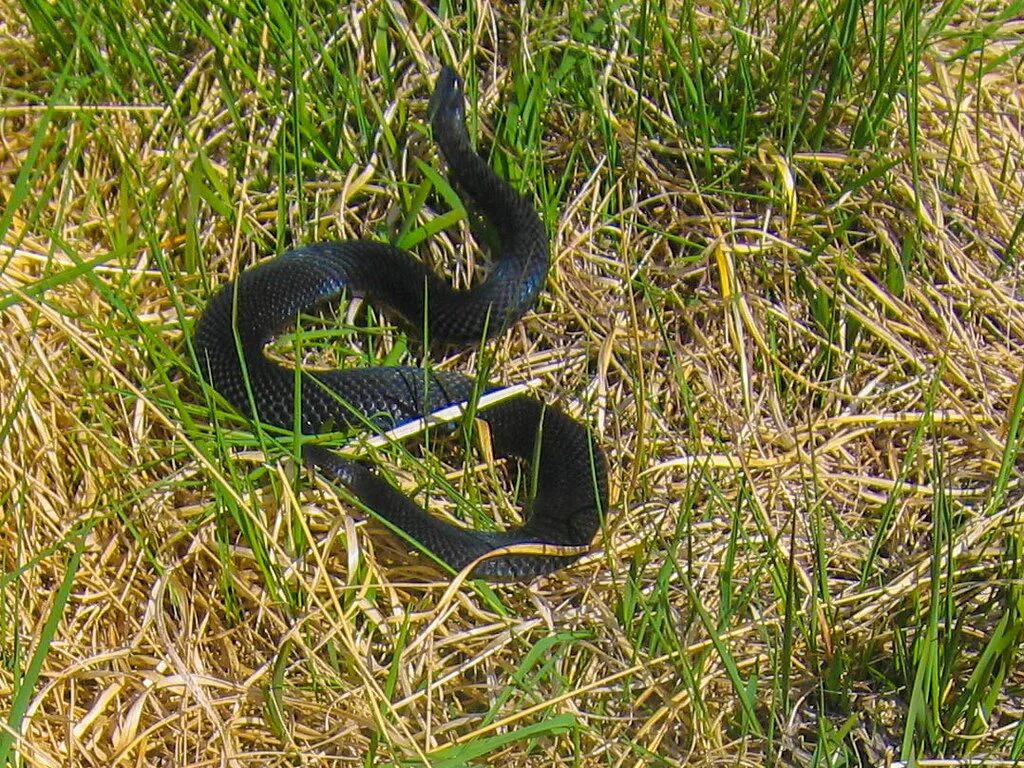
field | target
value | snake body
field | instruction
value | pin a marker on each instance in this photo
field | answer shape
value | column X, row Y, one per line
column 570, row 471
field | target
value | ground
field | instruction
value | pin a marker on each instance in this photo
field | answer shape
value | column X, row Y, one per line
column 785, row 294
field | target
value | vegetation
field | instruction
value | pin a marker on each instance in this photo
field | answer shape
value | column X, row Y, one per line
column 786, row 293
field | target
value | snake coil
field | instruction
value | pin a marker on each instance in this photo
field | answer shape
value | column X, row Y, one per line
column 571, row 473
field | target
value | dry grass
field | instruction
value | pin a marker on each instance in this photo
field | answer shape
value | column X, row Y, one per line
column 807, row 378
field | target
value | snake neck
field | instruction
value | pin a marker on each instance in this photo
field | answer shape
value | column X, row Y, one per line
column 511, row 214
column 520, row 264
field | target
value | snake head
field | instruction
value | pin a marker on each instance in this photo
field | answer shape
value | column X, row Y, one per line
column 447, row 102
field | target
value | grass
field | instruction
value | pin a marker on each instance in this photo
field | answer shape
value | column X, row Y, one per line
column 785, row 293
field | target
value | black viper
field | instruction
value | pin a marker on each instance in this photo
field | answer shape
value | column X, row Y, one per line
column 570, row 473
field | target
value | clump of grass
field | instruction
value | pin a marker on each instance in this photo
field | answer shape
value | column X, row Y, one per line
column 784, row 292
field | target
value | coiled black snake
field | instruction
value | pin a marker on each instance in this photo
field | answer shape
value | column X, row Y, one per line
column 570, row 470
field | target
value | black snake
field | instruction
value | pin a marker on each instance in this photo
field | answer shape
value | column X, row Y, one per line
column 570, row 470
